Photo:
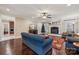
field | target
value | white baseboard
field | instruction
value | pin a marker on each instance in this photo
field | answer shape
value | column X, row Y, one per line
column 4, row 39
column 9, row 38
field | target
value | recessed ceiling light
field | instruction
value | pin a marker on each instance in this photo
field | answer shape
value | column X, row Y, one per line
column 7, row 9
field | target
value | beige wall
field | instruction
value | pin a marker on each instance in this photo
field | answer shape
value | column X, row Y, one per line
column 21, row 25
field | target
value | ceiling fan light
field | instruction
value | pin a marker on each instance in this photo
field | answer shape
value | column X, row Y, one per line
column 44, row 17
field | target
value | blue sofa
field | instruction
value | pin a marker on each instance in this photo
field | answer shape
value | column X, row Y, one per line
column 37, row 43
column 69, row 43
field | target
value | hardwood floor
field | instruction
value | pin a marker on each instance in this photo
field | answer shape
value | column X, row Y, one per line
column 16, row 47
column 11, row 47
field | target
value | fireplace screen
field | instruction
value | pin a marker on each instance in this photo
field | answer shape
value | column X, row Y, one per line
column 55, row 30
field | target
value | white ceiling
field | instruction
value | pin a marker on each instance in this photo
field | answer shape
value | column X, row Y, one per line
column 32, row 10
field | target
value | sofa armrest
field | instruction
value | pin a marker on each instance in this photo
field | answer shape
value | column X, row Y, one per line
column 71, row 39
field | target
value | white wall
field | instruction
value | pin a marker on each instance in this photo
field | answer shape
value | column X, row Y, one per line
column 4, row 18
column 46, row 27
column 1, row 29
column 21, row 25
column 39, row 25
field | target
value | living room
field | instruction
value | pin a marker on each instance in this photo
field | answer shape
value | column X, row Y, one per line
column 43, row 22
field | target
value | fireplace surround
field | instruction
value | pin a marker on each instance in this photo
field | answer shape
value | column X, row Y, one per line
column 54, row 30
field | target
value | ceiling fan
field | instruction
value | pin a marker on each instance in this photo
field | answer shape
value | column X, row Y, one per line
column 44, row 15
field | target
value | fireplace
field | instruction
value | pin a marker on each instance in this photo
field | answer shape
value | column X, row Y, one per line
column 54, row 30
